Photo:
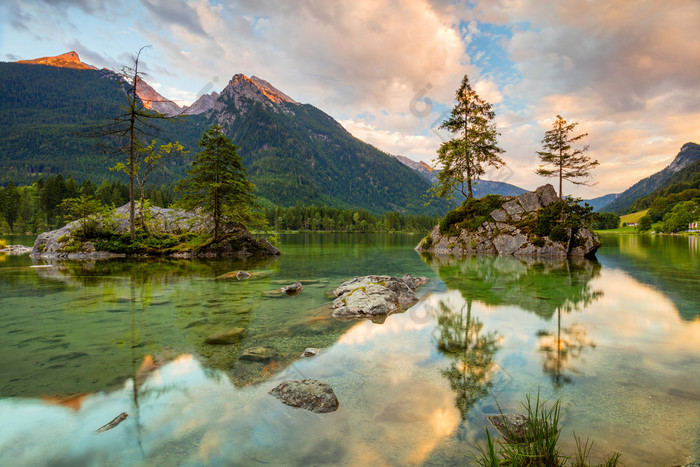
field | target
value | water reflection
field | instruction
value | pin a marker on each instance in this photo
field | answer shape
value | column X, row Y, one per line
column 470, row 351
column 561, row 349
column 540, row 285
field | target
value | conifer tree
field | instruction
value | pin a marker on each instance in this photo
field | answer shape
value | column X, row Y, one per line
column 217, row 182
column 474, row 145
column 566, row 162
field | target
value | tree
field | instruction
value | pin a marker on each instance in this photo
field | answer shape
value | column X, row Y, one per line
column 143, row 166
column 217, row 181
column 475, row 144
column 557, row 151
column 131, row 128
column 10, row 204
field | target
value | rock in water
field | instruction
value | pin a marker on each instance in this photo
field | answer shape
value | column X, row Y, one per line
column 310, row 352
column 309, row 394
column 510, row 230
column 293, row 289
column 512, row 426
column 230, row 336
column 369, row 296
column 257, row 354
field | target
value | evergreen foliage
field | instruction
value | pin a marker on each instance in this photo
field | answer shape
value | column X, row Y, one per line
column 557, row 151
column 217, row 183
column 605, row 220
column 475, row 144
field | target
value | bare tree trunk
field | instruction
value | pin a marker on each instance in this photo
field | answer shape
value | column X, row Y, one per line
column 132, row 122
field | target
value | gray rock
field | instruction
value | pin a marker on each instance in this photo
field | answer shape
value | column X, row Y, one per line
column 309, row 394
column 514, row 209
column 503, row 227
column 293, row 289
column 310, row 352
column 369, row 296
column 499, row 215
column 512, row 426
column 547, row 194
column 508, row 244
column 529, row 201
column 15, row 249
column 53, row 244
column 230, row 336
column 584, row 243
column 257, row 354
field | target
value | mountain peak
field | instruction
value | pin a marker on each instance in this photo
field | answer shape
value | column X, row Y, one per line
column 67, row 60
column 258, row 89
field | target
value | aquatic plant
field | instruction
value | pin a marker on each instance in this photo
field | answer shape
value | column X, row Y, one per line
column 538, row 444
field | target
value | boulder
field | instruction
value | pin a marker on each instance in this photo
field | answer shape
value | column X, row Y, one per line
column 293, row 289
column 230, row 336
column 309, row 394
column 547, row 194
column 369, row 296
column 499, row 215
column 508, row 244
column 530, row 201
column 514, row 209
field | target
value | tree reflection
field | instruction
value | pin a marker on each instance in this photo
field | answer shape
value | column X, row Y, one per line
column 471, row 351
column 545, row 286
column 559, row 351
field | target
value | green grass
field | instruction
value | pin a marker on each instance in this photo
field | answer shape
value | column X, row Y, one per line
column 633, row 217
column 619, row 230
column 540, row 446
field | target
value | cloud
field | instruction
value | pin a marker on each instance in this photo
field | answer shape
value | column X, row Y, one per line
column 178, row 13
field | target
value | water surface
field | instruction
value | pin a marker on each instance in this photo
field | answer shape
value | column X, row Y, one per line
column 617, row 340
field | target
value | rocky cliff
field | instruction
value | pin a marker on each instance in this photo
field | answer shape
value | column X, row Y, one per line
column 532, row 224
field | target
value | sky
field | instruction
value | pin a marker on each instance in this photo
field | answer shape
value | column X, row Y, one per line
column 627, row 71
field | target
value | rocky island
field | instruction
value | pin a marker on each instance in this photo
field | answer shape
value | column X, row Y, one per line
column 164, row 232
column 536, row 223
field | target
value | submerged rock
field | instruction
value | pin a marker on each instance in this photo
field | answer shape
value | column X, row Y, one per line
column 309, row 394
column 230, row 336
column 369, row 296
column 510, row 230
column 238, row 275
column 293, row 289
column 512, row 426
column 257, row 354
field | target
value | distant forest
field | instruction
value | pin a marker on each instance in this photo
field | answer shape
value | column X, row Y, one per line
column 37, row 208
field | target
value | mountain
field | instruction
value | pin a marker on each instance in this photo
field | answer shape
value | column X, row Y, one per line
column 149, row 96
column 294, row 152
column 480, row 188
column 66, row 60
column 602, row 201
column 689, row 153
column 154, row 101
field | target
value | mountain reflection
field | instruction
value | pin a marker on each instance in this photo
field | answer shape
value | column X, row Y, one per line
column 470, row 351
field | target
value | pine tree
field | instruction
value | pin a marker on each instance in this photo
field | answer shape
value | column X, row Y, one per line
column 475, row 144
column 217, row 182
column 557, row 151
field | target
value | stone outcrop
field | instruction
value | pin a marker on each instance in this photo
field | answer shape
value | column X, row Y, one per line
column 61, row 244
column 503, row 233
column 369, row 296
column 309, row 394
column 15, row 249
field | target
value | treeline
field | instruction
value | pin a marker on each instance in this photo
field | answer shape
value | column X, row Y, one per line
column 321, row 218
column 38, row 207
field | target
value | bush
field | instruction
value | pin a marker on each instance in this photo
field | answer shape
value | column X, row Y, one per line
column 559, row 234
column 470, row 215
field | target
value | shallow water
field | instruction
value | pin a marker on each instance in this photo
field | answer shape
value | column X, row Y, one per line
column 617, row 340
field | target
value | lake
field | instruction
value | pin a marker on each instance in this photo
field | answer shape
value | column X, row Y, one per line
column 617, row 340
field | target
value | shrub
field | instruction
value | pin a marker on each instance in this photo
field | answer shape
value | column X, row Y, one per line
column 470, row 215
column 559, row 234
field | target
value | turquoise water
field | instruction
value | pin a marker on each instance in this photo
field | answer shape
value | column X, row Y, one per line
column 617, row 340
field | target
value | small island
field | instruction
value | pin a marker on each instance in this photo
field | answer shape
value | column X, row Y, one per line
column 165, row 232
column 536, row 223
